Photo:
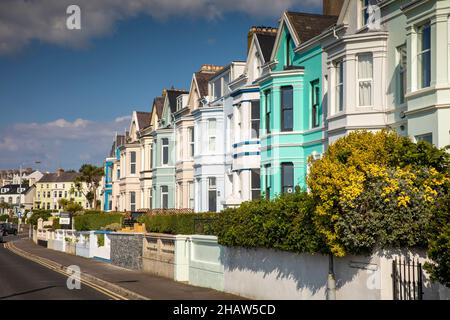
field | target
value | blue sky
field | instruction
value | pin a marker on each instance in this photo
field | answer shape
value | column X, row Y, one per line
column 63, row 94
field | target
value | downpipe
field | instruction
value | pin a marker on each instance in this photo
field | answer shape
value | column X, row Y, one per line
column 331, row 281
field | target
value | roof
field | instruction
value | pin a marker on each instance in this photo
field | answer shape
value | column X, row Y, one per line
column 120, row 140
column 158, row 103
column 202, row 79
column 143, row 119
column 13, row 189
column 62, row 177
column 266, row 43
column 309, row 25
column 172, row 95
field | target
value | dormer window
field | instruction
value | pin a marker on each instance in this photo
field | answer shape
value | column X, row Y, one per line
column 179, row 103
column 4, row 190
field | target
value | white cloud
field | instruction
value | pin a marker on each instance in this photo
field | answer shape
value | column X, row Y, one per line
column 22, row 21
column 59, row 142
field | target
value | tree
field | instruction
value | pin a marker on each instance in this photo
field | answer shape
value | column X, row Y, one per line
column 376, row 189
column 70, row 206
column 90, row 176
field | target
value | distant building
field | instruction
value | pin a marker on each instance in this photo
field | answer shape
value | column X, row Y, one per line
column 9, row 176
column 55, row 186
column 15, row 194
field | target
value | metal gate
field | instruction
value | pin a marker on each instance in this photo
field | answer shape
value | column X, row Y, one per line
column 407, row 279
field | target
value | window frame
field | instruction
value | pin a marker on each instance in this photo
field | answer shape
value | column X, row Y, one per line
column 164, row 146
column 164, row 194
column 364, row 80
column 315, row 105
column 285, row 109
column 284, row 184
column 133, row 163
column 212, row 136
column 421, row 52
column 268, row 109
column 339, row 86
column 255, row 119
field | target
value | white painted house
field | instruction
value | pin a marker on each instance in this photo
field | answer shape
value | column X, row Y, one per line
column 391, row 71
column 243, row 122
column 210, row 141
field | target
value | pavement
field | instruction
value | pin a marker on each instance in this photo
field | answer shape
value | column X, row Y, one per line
column 22, row 279
column 117, row 281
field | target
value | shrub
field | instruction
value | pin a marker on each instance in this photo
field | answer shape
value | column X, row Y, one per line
column 4, row 217
column 175, row 223
column 363, row 168
column 283, row 223
column 100, row 240
column 113, row 227
column 44, row 214
column 93, row 221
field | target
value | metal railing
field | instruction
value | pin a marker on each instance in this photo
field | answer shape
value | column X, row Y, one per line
column 407, row 279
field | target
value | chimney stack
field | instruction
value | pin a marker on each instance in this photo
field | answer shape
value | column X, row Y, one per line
column 332, row 7
column 259, row 30
column 59, row 172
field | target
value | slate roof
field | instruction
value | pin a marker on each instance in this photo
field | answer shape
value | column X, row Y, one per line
column 202, row 79
column 120, row 140
column 158, row 103
column 62, row 177
column 143, row 119
column 266, row 42
column 172, row 95
column 12, row 189
column 309, row 25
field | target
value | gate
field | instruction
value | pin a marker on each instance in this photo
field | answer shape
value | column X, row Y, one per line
column 407, row 279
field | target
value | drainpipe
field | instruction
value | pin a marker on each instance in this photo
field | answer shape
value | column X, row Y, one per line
column 331, row 281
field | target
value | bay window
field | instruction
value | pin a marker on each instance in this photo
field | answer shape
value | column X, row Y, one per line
column 165, row 151
column 287, row 177
column 339, row 86
column 255, row 119
column 212, row 135
column 315, row 103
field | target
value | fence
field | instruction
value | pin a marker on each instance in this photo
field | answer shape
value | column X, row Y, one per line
column 407, row 279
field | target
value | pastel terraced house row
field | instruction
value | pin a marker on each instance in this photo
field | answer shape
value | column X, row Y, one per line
column 248, row 129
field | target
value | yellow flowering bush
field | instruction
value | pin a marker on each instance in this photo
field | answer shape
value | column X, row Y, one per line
column 376, row 189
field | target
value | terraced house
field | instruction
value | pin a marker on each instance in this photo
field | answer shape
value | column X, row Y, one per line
column 212, row 159
column 130, row 164
column 163, row 170
column 392, row 72
column 244, row 122
column 184, row 130
column 292, row 112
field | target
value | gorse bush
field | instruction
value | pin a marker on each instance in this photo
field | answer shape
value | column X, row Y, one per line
column 284, row 223
column 376, row 189
column 98, row 221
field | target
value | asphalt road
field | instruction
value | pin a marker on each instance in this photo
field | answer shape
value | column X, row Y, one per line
column 22, row 279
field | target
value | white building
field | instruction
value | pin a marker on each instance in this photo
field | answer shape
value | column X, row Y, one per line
column 243, row 122
column 210, row 141
column 391, row 71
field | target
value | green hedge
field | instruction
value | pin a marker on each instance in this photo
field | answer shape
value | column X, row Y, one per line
column 96, row 221
column 44, row 214
column 285, row 223
column 4, row 217
column 177, row 223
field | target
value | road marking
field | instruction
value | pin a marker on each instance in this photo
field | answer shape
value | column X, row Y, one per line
column 88, row 283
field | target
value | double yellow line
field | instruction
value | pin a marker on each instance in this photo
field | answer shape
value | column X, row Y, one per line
column 88, row 283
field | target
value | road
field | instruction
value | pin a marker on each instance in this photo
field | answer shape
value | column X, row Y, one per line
column 22, row 279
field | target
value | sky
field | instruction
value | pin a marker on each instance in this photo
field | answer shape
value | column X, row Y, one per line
column 65, row 93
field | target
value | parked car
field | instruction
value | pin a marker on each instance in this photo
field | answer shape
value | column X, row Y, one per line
column 7, row 228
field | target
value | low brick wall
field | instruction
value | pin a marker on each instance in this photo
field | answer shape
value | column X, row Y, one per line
column 126, row 250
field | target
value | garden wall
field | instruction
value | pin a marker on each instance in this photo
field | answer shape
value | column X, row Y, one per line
column 126, row 250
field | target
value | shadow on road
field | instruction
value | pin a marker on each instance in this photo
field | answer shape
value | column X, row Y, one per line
column 27, row 292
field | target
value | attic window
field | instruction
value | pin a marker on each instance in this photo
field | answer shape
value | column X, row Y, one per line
column 179, row 103
column 4, row 190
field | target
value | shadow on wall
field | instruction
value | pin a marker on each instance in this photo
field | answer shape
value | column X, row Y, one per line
column 276, row 274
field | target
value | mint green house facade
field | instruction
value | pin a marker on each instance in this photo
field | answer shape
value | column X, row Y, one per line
column 292, row 117
column 163, row 154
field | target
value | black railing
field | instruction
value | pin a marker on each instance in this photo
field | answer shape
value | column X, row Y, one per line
column 407, row 280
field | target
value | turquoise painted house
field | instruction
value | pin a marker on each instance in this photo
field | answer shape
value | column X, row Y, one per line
column 292, row 114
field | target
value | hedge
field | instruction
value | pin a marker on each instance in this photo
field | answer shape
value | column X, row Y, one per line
column 4, row 217
column 96, row 221
column 284, row 223
column 44, row 214
column 177, row 223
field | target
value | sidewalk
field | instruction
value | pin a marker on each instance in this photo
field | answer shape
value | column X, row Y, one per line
column 149, row 286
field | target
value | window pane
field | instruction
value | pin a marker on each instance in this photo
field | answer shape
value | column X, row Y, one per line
column 365, row 66
column 212, row 126
column 255, row 119
column 287, row 108
column 133, row 156
column 164, row 189
column 287, row 177
column 256, row 182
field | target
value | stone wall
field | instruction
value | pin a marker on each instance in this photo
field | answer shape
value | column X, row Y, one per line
column 126, row 250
